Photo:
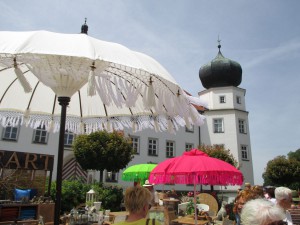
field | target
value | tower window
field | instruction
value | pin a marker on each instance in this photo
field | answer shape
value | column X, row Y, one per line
column 244, row 152
column 242, row 126
column 218, row 126
column 222, row 99
column 238, row 100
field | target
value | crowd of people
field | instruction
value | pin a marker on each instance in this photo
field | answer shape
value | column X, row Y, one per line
column 256, row 205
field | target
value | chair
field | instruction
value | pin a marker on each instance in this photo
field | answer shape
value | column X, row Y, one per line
column 28, row 222
column 210, row 200
column 182, row 208
column 203, row 207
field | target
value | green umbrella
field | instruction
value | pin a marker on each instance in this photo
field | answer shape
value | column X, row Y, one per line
column 138, row 172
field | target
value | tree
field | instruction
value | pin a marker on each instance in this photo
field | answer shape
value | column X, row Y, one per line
column 102, row 150
column 219, row 152
column 282, row 171
column 294, row 155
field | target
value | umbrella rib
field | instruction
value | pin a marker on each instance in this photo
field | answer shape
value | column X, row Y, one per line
column 53, row 108
column 7, row 89
column 80, row 106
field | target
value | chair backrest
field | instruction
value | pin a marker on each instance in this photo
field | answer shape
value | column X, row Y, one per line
column 182, row 207
column 210, row 200
column 203, row 207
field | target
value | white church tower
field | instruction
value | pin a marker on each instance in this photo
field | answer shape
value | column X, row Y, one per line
column 227, row 118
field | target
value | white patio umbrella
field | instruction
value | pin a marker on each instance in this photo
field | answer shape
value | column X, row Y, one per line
column 111, row 87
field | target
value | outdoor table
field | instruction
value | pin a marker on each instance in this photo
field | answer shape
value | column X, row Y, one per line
column 189, row 220
column 114, row 215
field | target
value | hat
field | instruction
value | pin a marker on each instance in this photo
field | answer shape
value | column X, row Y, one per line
column 295, row 196
column 147, row 184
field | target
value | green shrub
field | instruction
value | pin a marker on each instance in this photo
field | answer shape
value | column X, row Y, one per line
column 74, row 193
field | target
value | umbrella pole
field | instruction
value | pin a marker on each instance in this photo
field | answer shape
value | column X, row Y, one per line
column 64, row 102
column 195, row 202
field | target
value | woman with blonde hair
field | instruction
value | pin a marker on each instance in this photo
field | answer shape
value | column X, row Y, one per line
column 137, row 202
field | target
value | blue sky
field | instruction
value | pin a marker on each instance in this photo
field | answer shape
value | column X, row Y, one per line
column 263, row 36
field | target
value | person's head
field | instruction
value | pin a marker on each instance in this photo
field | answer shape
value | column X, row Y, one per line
column 257, row 191
column 137, row 200
column 261, row 212
column 270, row 191
column 283, row 197
column 241, row 199
column 247, row 186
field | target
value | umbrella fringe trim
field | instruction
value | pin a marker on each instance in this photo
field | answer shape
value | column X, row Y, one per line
column 75, row 124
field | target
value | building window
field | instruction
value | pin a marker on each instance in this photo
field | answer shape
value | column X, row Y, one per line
column 238, row 100
column 222, row 99
column 218, row 126
column 69, row 138
column 111, row 176
column 170, row 149
column 152, row 146
column 188, row 146
column 135, row 144
column 190, row 130
column 242, row 127
column 10, row 133
column 244, row 151
column 40, row 135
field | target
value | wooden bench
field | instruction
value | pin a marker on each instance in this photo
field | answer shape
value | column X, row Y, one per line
column 295, row 214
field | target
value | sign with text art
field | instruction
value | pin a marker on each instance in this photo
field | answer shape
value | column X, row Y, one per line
column 24, row 170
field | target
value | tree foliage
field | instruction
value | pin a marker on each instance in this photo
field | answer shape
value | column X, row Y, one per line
column 219, row 152
column 283, row 171
column 294, row 155
column 102, row 150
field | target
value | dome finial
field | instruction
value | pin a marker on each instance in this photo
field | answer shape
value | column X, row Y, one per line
column 84, row 27
column 219, row 45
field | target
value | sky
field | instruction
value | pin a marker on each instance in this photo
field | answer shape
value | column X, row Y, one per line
column 263, row 36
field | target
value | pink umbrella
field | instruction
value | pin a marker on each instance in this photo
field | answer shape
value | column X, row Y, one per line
column 195, row 167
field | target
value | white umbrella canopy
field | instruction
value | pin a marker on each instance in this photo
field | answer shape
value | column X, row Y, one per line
column 132, row 89
column 99, row 85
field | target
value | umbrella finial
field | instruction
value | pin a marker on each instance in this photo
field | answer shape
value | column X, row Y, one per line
column 84, row 27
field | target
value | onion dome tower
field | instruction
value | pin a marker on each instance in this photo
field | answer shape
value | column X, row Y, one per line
column 227, row 122
column 84, row 28
column 220, row 72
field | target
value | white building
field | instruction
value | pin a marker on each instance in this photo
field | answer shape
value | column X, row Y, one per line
column 226, row 124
